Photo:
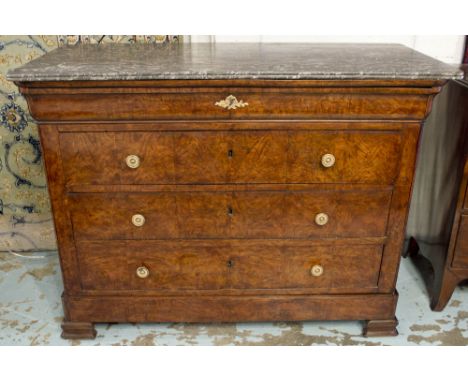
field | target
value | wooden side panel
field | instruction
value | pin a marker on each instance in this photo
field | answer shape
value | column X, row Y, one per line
column 398, row 213
column 457, row 254
column 62, row 222
column 460, row 256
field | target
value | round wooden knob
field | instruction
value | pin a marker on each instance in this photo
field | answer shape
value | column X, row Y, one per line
column 138, row 220
column 321, row 219
column 142, row 272
column 132, row 161
column 328, row 160
column 316, row 270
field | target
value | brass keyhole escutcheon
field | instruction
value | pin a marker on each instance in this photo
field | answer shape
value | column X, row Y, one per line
column 132, row 161
column 142, row 272
column 230, row 153
column 231, row 103
column 230, row 263
column 230, row 211
column 316, row 270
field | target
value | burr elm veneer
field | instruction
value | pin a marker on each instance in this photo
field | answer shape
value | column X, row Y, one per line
column 248, row 182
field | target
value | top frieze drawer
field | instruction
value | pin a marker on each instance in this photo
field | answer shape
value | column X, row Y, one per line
column 219, row 103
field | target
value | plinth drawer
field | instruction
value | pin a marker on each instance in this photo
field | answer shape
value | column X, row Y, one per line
column 227, row 264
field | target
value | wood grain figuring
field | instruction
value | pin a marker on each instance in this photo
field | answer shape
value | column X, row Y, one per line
column 230, row 308
column 216, row 265
column 234, row 125
column 254, row 214
column 230, row 157
column 294, row 103
column 398, row 213
column 63, row 228
column 229, row 197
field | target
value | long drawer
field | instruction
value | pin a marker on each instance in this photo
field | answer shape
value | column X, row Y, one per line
column 227, row 264
column 217, row 157
column 311, row 212
column 156, row 103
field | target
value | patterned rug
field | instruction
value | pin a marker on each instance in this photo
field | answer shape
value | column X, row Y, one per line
column 25, row 218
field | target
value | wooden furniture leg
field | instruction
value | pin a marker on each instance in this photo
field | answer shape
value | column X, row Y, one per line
column 381, row 328
column 444, row 287
column 78, row 330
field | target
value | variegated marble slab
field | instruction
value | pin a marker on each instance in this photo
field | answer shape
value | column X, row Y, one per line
column 219, row 61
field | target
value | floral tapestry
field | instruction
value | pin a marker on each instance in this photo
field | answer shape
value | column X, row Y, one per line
column 25, row 217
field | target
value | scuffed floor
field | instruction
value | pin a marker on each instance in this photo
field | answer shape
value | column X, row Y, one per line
column 31, row 312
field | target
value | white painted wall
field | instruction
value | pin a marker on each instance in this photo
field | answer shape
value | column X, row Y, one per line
column 444, row 48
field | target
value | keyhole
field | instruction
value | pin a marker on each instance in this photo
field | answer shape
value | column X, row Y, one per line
column 230, row 263
column 230, row 211
column 230, row 153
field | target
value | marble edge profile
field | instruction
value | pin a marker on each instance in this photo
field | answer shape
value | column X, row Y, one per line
column 31, row 77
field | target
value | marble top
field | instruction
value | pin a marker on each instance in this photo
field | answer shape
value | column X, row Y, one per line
column 233, row 61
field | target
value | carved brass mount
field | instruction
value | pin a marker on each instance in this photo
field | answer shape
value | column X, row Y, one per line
column 231, row 102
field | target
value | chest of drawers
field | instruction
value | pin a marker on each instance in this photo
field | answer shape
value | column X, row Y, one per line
column 204, row 183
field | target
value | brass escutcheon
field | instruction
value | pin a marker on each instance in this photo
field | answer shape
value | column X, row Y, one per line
column 231, row 102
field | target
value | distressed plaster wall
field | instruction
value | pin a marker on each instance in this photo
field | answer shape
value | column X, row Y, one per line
column 447, row 48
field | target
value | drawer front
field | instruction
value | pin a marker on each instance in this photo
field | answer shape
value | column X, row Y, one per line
column 460, row 258
column 230, row 157
column 214, row 265
column 213, row 103
column 231, row 214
